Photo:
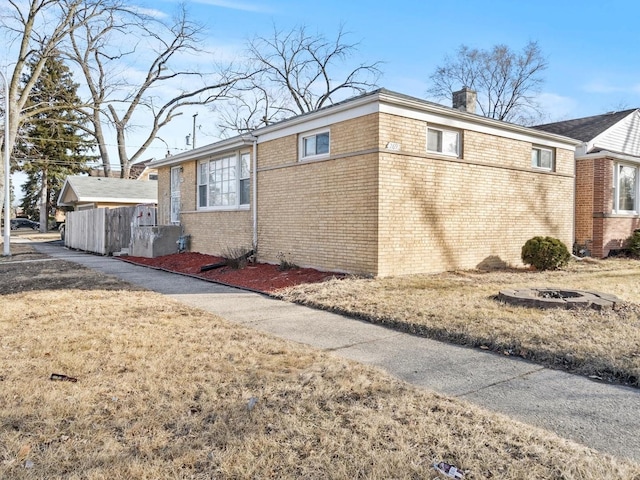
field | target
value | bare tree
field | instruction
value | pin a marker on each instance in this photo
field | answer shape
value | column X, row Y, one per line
column 296, row 72
column 116, row 100
column 506, row 82
column 35, row 30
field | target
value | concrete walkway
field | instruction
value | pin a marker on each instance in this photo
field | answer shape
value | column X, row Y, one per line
column 601, row 416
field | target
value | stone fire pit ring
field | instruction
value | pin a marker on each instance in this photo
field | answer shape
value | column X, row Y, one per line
column 558, row 298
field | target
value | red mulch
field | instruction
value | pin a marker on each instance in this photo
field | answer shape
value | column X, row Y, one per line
column 262, row 277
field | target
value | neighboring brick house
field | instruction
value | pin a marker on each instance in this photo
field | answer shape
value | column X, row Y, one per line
column 380, row 184
column 607, row 179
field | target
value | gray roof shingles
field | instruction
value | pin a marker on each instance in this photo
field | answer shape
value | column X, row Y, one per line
column 113, row 188
column 587, row 128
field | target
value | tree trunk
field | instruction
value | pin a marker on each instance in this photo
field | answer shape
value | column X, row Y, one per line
column 44, row 214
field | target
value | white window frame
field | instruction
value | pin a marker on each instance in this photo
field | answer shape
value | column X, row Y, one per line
column 244, row 178
column 443, row 134
column 307, row 137
column 174, row 202
column 536, row 162
column 616, row 188
column 230, row 174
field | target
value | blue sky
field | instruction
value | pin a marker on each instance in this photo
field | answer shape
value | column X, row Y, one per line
column 591, row 46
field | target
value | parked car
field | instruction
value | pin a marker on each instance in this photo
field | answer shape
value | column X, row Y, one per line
column 17, row 223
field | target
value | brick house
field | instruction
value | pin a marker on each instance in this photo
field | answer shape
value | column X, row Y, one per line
column 380, row 184
column 607, row 179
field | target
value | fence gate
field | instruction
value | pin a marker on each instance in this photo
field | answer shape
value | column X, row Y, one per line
column 105, row 230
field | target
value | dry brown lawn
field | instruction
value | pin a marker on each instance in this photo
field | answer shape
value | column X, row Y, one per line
column 164, row 391
column 461, row 307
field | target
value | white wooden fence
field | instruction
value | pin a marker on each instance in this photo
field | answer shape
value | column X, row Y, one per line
column 105, row 230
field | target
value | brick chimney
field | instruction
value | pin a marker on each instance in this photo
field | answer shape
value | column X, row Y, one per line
column 465, row 100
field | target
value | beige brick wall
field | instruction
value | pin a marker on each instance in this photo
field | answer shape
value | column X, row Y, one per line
column 410, row 134
column 212, row 232
column 164, row 212
column 215, row 233
column 439, row 213
column 323, row 213
column 279, row 152
column 385, row 213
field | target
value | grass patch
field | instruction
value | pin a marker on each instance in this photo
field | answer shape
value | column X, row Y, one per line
column 460, row 307
column 167, row 391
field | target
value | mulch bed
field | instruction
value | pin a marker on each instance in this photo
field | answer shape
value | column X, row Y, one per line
column 261, row 277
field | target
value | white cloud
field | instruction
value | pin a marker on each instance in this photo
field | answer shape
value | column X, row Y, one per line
column 246, row 7
column 151, row 12
column 556, row 107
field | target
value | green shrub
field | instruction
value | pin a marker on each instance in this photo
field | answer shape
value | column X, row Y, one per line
column 634, row 243
column 545, row 253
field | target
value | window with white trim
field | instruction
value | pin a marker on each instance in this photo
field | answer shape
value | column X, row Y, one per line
column 314, row 145
column 542, row 158
column 444, row 141
column 625, row 188
column 175, row 194
column 223, row 183
column 245, row 171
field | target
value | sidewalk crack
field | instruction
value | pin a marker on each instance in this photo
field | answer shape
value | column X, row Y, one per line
column 373, row 340
column 522, row 375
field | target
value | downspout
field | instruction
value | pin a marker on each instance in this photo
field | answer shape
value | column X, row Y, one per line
column 255, row 194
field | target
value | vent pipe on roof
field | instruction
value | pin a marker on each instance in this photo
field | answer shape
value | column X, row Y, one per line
column 465, row 100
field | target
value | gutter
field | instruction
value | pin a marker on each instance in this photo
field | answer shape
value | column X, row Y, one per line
column 211, row 149
column 255, row 194
column 608, row 154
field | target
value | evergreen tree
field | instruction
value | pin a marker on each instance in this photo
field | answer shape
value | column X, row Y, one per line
column 51, row 145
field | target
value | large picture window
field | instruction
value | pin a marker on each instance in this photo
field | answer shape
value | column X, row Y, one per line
column 224, row 182
column 443, row 141
column 625, row 181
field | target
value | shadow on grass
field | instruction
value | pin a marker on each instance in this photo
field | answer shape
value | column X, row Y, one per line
column 31, row 271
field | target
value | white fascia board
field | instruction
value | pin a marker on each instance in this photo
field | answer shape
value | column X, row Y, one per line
column 320, row 119
column 467, row 121
column 116, row 200
column 388, row 102
column 222, row 146
column 63, row 190
column 612, row 155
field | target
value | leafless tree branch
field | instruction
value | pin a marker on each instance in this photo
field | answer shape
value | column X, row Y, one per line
column 506, row 81
column 296, row 72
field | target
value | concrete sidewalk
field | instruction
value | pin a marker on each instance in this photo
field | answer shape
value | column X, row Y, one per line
column 601, row 416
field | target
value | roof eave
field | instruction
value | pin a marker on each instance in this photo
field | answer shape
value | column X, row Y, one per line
column 409, row 102
column 608, row 154
column 204, row 151
column 114, row 200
